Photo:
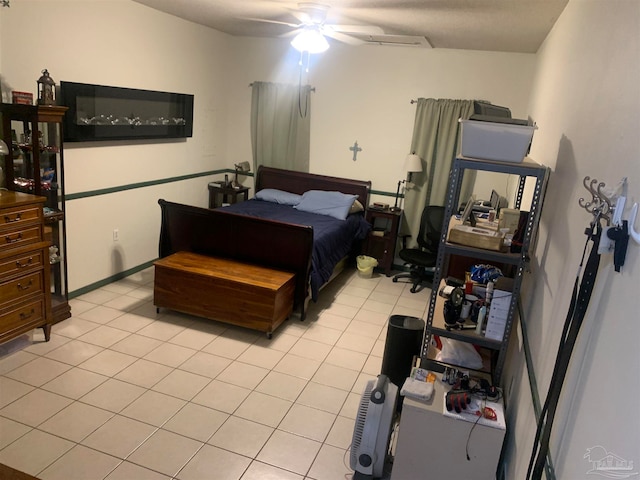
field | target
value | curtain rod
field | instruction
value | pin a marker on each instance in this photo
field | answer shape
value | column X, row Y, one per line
column 313, row 89
column 413, row 101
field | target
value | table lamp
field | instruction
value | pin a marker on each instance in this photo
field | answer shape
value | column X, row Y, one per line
column 240, row 167
column 412, row 164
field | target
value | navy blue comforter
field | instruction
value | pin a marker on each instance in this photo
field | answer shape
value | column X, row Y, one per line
column 332, row 238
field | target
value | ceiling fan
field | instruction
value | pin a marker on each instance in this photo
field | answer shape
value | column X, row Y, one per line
column 311, row 29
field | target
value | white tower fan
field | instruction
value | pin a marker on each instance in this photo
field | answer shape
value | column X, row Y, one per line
column 372, row 430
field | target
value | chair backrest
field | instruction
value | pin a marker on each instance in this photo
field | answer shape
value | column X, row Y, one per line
column 430, row 227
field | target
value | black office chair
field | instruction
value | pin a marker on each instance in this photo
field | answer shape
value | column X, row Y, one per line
column 423, row 258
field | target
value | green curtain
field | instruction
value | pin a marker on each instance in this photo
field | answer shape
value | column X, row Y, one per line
column 280, row 125
column 435, row 141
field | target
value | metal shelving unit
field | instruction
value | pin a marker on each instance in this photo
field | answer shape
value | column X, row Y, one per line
column 518, row 261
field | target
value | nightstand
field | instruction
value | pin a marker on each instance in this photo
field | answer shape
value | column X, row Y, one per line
column 381, row 241
column 221, row 194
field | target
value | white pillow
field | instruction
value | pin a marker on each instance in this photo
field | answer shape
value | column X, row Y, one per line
column 333, row 204
column 278, row 196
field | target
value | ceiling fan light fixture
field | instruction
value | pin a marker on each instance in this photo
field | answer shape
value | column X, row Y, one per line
column 310, row 40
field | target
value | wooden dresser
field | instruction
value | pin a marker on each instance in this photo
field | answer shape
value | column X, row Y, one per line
column 25, row 298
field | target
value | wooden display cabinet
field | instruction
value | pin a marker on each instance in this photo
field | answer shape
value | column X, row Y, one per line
column 35, row 165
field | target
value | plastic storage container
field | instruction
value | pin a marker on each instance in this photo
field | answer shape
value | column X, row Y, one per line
column 502, row 142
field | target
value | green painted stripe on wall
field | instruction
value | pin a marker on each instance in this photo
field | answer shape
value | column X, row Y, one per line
column 162, row 181
column 150, row 183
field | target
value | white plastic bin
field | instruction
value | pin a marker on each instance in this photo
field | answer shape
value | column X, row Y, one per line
column 495, row 141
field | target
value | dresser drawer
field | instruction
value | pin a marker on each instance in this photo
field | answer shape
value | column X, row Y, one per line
column 17, row 217
column 22, row 287
column 26, row 236
column 24, row 262
column 31, row 314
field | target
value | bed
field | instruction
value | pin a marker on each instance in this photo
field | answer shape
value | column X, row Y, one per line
column 269, row 234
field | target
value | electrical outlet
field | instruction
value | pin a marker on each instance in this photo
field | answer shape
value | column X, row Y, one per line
column 116, row 235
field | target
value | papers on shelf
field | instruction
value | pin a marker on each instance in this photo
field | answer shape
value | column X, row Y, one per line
column 417, row 389
column 498, row 314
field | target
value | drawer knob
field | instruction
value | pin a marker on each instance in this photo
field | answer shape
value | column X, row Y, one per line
column 25, row 315
column 25, row 264
column 8, row 219
column 17, row 238
column 25, row 287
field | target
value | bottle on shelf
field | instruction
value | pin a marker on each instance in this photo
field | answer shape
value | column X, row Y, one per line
column 481, row 314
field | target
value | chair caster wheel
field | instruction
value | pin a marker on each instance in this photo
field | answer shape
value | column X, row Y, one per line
column 395, row 280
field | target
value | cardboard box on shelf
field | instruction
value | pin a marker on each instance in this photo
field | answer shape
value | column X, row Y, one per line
column 477, row 237
column 22, row 98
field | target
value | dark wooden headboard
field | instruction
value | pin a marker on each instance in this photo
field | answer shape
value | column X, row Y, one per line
column 300, row 182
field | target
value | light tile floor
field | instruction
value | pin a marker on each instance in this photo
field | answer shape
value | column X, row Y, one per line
column 123, row 393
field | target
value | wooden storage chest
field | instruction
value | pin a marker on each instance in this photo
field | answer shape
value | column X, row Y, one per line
column 225, row 290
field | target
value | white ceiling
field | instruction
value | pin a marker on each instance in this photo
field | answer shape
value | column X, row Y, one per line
column 492, row 25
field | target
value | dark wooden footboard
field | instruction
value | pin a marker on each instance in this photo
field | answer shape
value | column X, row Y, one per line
column 269, row 243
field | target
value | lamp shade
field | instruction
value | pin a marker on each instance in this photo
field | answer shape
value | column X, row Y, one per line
column 4, row 149
column 243, row 167
column 310, row 40
column 413, row 163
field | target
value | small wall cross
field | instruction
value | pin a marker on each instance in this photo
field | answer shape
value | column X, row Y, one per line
column 355, row 149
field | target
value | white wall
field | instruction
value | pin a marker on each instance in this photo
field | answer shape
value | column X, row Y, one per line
column 122, row 43
column 363, row 94
column 586, row 100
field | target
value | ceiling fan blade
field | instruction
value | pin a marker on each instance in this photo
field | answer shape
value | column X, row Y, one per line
column 291, row 33
column 362, row 29
column 342, row 37
column 277, row 22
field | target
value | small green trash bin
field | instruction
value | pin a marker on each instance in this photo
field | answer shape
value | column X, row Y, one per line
column 366, row 265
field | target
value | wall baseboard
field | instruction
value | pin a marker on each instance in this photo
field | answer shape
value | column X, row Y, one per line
column 111, row 279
